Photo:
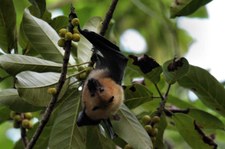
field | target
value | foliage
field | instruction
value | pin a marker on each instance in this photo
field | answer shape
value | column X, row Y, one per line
column 31, row 62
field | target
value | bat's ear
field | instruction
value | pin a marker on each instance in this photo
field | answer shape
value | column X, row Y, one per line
column 84, row 120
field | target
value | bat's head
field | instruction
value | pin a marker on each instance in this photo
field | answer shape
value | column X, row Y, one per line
column 101, row 95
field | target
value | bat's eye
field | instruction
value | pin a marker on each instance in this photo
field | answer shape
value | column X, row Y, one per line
column 101, row 89
column 95, row 108
column 111, row 99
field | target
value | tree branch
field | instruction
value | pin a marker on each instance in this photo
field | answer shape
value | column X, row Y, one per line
column 59, row 86
column 108, row 17
column 161, row 107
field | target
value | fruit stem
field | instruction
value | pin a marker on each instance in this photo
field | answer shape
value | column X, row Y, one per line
column 76, row 65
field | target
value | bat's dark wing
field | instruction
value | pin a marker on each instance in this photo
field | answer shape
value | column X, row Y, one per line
column 111, row 58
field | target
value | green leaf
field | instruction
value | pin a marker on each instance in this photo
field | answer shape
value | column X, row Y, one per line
column 186, row 128
column 84, row 46
column 46, row 16
column 136, row 95
column 179, row 102
column 129, row 129
column 40, row 4
column 200, row 13
column 5, row 141
column 186, row 7
column 206, row 87
column 32, row 86
column 148, row 107
column 7, row 82
column 4, row 113
column 59, row 22
column 14, row 64
column 100, row 142
column 10, row 98
column 94, row 24
column 154, row 75
column 65, row 133
column 43, row 38
column 175, row 69
column 8, row 39
column 206, row 120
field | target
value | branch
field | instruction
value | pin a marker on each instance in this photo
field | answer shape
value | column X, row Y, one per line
column 108, row 17
column 167, row 92
column 158, row 90
column 59, row 86
column 161, row 107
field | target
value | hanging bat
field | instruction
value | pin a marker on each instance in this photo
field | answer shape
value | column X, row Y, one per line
column 102, row 93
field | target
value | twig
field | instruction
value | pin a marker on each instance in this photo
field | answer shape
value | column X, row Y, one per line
column 167, row 92
column 160, row 94
column 108, row 17
column 61, row 81
column 76, row 65
column 161, row 107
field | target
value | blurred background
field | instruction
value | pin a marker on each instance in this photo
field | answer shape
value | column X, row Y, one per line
column 141, row 26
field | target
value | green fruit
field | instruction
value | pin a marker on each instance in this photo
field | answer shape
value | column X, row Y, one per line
column 17, row 118
column 12, row 114
column 155, row 119
column 146, row 119
column 68, row 36
column 82, row 76
column 80, row 68
column 76, row 31
column 62, row 32
column 28, row 115
column 27, row 124
column 128, row 146
column 88, row 69
column 75, row 22
column 154, row 132
column 148, row 128
column 52, row 90
column 16, row 124
column 61, row 42
column 76, row 37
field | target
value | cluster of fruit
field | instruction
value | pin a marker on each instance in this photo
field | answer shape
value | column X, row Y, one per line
column 22, row 119
column 151, row 125
column 67, row 35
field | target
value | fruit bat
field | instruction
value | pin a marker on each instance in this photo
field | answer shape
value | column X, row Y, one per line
column 102, row 93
